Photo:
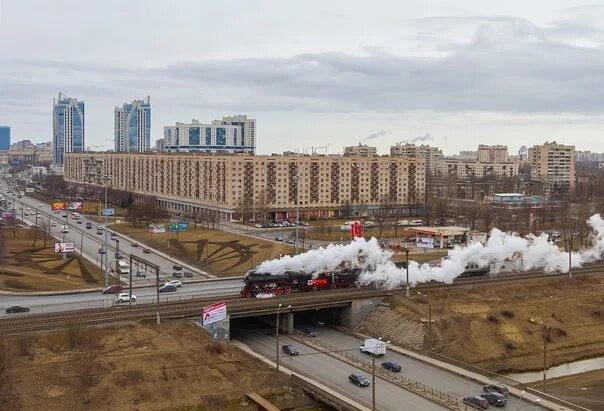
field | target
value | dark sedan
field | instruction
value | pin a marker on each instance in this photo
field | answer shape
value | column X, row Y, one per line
column 499, row 388
column 17, row 309
column 494, row 398
column 167, row 289
column 290, row 349
column 391, row 366
column 359, row 379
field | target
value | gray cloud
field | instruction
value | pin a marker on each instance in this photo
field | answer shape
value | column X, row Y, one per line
column 420, row 139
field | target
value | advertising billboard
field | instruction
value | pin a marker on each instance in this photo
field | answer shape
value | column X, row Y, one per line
column 75, row 205
column 64, row 248
column 58, row 205
column 157, row 228
column 29, row 189
column 7, row 215
column 425, row 242
column 178, row 227
column 108, row 211
column 214, row 313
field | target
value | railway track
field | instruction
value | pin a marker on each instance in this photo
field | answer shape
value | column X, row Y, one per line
column 237, row 305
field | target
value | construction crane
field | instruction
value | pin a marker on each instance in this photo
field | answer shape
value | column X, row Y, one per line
column 313, row 149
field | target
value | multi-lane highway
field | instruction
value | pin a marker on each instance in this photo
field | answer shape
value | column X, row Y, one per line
column 334, row 372
column 87, row 240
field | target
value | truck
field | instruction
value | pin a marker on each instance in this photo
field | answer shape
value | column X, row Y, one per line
column 121, row 267
column 373, row 346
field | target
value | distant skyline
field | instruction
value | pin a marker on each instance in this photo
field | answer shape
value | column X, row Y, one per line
column 312, row 72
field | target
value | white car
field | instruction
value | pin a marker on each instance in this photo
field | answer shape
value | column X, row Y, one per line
column 124, row 298
column 64, row 230
column 175, row 283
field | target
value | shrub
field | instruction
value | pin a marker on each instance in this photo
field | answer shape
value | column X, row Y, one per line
column 493, row 319
column 509, row 346
column 507, row 314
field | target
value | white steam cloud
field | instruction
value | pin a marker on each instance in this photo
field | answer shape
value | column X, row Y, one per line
column 531, row 252
column 376, row 135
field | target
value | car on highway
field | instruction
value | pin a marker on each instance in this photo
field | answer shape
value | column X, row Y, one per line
column 64, row 230
column 102, row 250
column 141, row 273
column 176, row 274
column 99, row 232
column 119, row 256
column 17, row 309
column 177, row 267
column 188, row 274
column 135, row 244
column 88, row 226
column 290, row 349
column 494, row 398
column 64, row 215
column 360, row 380
column 53, row 225
column 147, row 250
column 500, row 388
column 476, row 402
column 167, row 289
column 113, row 235
column 124, row 298
column 100, row 227
column 79, row 221
column 391, row 366
column 308, row 331
column 112, row 289
column 175, row 283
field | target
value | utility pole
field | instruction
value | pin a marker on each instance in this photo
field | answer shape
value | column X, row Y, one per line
column 406, row 251
column 373, row 379
column 106, row 180
column 545, row 336
column 277, row 337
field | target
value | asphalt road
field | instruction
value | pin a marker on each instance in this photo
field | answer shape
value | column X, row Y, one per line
column 334, row 373
column 88, row 240
column 420, row 371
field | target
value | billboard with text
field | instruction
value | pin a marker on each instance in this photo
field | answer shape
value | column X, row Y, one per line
column 108, row 211
column 64, row 248
column 75, row 205
column 58, row 205
column 214, row 313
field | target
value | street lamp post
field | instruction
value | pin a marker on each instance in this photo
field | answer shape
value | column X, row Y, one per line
column 429, row 320
column 545, row 336
column 373, row 374
column 106, row 180
column 406, row 251
column 277, row 334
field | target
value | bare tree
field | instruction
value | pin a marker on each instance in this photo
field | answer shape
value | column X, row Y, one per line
column 471, row 212
column 87, row 366
column 261, row 206
column 245, row 209
column 486, row 212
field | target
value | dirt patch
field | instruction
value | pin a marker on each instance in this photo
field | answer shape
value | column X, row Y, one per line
column 32, row 267
column 144, row 367
column 499, row 327
column 585, row 389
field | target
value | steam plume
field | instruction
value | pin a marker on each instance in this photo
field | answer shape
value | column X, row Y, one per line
column 425, row 137
column 376, row 135
column 377, row 267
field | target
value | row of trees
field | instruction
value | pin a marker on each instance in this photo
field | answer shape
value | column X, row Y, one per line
column 146, row 212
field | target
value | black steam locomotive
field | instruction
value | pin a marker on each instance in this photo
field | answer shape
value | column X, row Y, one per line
column 263, row 285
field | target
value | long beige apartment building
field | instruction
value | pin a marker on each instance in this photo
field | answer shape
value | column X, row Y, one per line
column 322, row 186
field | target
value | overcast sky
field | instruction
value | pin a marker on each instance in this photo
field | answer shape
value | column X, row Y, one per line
column 314, row 72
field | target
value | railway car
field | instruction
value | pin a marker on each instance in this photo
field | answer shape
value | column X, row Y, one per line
column 474, row 270
column 263, row 285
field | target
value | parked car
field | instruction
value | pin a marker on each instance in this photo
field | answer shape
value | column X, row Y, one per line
column 290, row 241
column 278, row 239
column 147, row 250
column 290, row 349
column 175, row 283
column 112, row 289
column 258, row 225
column 476, row 402
column 17, row 309
column 391, row 366
column 135, row 244
column 360, row 380
column 124, row 298
column 177, row 267
column 188, row 274
column 500, row 388
column 167, row 289
column 494, row 398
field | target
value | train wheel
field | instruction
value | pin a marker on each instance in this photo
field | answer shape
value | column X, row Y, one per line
column 287, row 290
column 279, row 291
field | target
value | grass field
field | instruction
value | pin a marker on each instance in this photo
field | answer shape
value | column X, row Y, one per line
column 140, row 366
column 29, row 267
column 498, row 326
column 585, row 389
column 218, row 252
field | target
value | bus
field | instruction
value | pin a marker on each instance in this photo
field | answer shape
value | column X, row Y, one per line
column 75, row 216
column 121, row 267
